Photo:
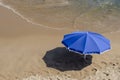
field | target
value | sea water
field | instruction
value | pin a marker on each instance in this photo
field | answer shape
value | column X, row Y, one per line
column 90, row 15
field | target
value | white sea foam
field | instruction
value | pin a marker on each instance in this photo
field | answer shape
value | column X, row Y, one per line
column 28, row 20
column 75, row 23
column 51, row 77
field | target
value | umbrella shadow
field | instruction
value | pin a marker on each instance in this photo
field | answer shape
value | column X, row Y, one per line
column 62, row 59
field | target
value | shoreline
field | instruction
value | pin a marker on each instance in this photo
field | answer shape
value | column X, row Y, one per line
column 44, row 26
column 27, row 20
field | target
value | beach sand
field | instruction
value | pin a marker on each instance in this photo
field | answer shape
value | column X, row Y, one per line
column 24, row 48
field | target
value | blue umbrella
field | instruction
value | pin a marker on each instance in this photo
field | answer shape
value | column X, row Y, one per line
column 86, row 42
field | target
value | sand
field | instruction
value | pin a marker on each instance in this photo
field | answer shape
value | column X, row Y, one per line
column 24, row 48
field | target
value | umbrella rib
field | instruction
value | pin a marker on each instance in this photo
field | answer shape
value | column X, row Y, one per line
column 85, row 42
column 100, row 37
column 95, row 42
column 103, row 40
column 75, row 41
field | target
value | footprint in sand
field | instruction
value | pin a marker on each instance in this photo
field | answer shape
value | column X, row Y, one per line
column 104, row 63
column 107, row 74
column 94, row 70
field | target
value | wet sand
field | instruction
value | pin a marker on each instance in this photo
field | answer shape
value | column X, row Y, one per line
column 24, row 45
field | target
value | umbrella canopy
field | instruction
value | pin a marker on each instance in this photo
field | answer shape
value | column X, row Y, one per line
column 86, row 42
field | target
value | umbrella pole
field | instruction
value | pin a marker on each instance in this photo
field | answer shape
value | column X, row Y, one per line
column 84, row 57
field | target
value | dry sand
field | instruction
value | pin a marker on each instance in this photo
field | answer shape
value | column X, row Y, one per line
column 24, row 48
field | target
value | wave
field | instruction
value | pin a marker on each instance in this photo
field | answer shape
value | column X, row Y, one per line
column 26, row 19
column 92, row 15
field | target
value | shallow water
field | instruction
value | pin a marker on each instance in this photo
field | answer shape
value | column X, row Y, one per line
column 93, row 15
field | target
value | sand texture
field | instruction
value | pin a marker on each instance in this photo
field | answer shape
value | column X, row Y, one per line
column 31, row 52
